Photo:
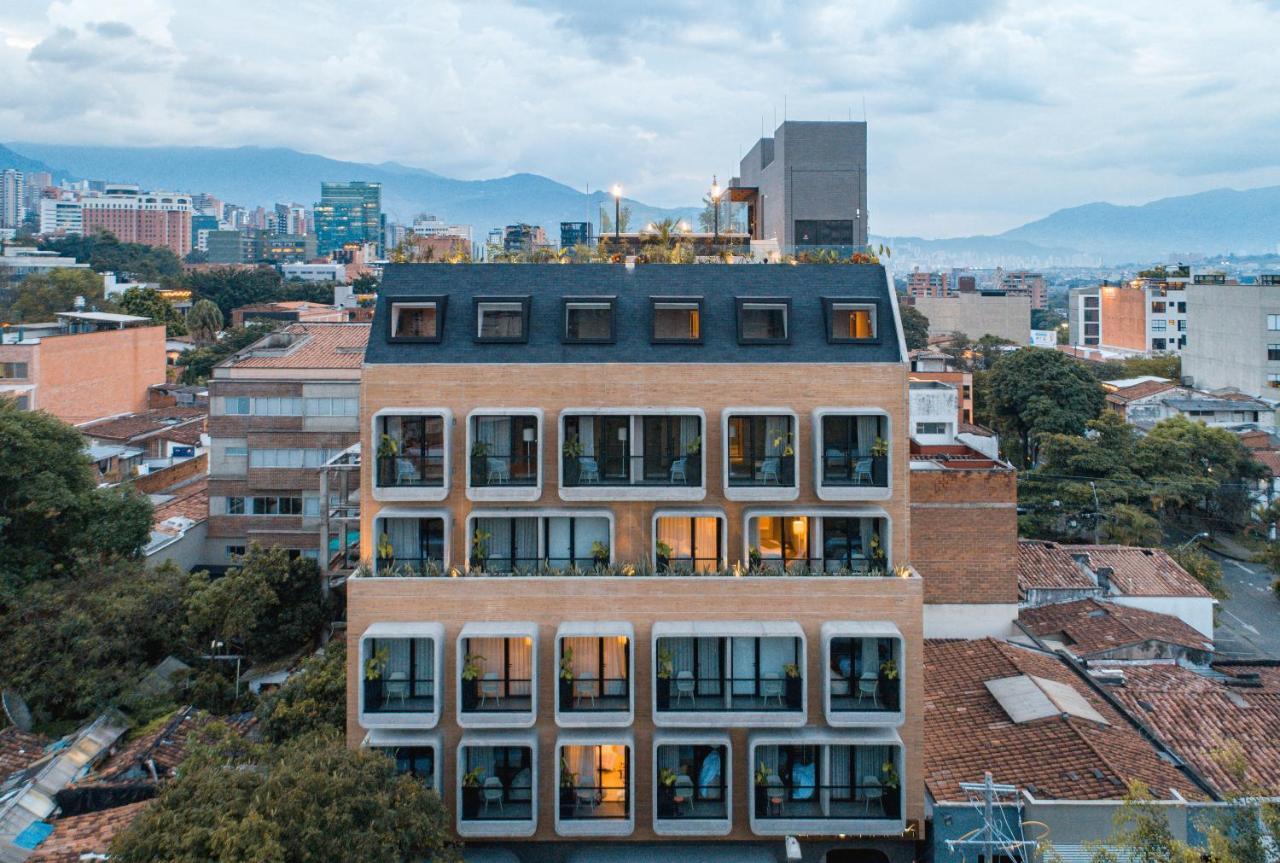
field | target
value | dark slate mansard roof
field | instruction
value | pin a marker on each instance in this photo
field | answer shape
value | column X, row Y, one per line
column 718, row 285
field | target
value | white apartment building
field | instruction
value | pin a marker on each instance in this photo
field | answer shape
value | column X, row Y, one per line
column 12, row 198
column 65, row 216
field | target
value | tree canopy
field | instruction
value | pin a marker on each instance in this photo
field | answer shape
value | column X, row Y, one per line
column 310, row 799
column 106, row 254
column 148, row 303
column 269, row 606
column 314, row 698
column 205, row 321
column 40, row 296
column 52, row 514
column 915, row 327
column 230, row 287
column 1036, row 392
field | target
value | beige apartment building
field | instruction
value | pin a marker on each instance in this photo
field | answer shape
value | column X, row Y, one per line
column 636, row 550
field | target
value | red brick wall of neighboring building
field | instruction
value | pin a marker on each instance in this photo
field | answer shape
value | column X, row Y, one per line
column 964, row 535
column 1124, row 318
column 92, row 375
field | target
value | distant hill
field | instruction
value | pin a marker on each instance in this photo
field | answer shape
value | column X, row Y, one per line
column 10, row 159
column 253, row 176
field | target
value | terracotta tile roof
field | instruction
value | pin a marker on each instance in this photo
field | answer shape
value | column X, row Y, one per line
column 1269, row 458
column 164, row 746
column 1141, row 571
column 1196, row 715
column 85, row 834
column 1044, row 564
column 315, row 346
column 18, row 749
column 130, row 426
column 1138, row 391
column 1092, row 627
column 967, row 732
column 973, row 428
column 190, row 501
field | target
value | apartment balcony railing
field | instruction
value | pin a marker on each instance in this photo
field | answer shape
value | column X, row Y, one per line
column 410, row 567
column 770, row 471
column 865, row 693
column 675, row 565
column 492, row 800
column 399, row 694
column 497, row 695
column 593, row 694
column 683, row 691
column 821, row 566
column 849, row 468
column 689, row 799
column 410, row 471
column 398, row 567
column 639, row 470
column 579, row 802
column 501, row 471
column 790, row 801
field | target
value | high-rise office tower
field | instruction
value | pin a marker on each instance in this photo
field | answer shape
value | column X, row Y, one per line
column 348, row 213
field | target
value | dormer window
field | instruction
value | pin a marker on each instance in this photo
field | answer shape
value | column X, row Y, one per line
column 763, row 321
column 502, row 319
column 677, row 320
column 850, row 320
column 417, row 320
column 589, row 320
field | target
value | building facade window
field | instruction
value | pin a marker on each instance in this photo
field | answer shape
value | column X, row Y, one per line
column 12, row 371
column 1273, row 323
column 677, row 320
column 332, row 407
column 502, row 319
column 763, row 322
column 850, row 321
column 1273, row 381
column 290, row 458
column 589, row 320
column 1158, row 326
column 417, row 320
column 931, row 428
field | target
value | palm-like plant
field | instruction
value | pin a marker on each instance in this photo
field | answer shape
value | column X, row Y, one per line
column 204, row 321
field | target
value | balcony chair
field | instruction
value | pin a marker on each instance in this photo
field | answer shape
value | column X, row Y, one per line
column 586, row 686
column 585, row 795
column 771, row 469
column 491, row 792
column 872, row 790
column 869, row 686
column 490, row 687
column 834, row 459
column 679, row 470
column 588, row 469
column 839, row 684
column 497, row 470
column 771, row 686
column 405, row 471
column 776, row 792
column 862, row 471
column 684, row 686
column 682, row 793
column 397, row 686
column 521, row 787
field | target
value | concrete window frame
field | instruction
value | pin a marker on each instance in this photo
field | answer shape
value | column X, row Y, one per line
column 541, row 513
column 503, row 739
column 412, row 512
column 834, row 629
column 597, row 629
column 404, row 721
column 497, row 629
column 502, row 493
column 822, row 512
column 599, row 827
column 752, row 493
column 423, row 493
column 842, row 493
column 722, row 552
column 691, row 826
column 631, row 492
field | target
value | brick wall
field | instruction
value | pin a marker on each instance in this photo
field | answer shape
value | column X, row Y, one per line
column 964, row 535
column 92, row 375
column 158, row 481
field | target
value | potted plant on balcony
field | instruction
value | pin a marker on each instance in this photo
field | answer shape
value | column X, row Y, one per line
column 753, row 558
column 664, row 556
column 877, row 556
column 693, row 461
column 763, row 776
column 889, row 669
column 480, row 549
column 386, row 552
column 880, row 448
column 599, row 554
column 572, row 451
column 472, row 668
column 480, row 463
column 568, row 787
column 787, row 454
column 891, row 782
column 666, row 668
column 471, row 792
column 792, row 683
column 388, row 449
column 374, row 667
column 666, row 793
column 566, row 678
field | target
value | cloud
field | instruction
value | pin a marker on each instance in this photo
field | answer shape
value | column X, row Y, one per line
column 983, row 113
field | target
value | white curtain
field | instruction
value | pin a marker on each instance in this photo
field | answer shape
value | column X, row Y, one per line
column 682, row 653
column 709, row 667
column 492, row 651
column 775, row 435
column 706, row 541
column 582, row 761
column 482, row 757
column 841, row 770
column 586, row 656
column 669, row 758
column 768, row 756
column 743, row 654
column 868, row 431
column 674, row 531
column 775, row 653
column 521, row 666
column 688, row 431
column 867, row 763
column 870, row 663
column 398, row 656
column 558, row 551
column 526, row 541
column 495, row 433
column 615, row 666
column 587, row 436
column 403, row 533
column 424, row 661
column 499, row 541
column 587, row 532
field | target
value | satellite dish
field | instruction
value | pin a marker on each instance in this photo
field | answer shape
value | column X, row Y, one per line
column 16, row 709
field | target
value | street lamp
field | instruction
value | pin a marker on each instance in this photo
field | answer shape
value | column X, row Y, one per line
column 715, row 206
column 617, row 211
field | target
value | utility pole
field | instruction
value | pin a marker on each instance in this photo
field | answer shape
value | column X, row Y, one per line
column 994, row 836
column 1097, row 510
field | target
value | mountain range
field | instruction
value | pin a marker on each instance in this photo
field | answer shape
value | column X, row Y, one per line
column 1212, row 222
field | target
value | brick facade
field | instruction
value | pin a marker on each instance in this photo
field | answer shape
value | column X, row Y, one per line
column 964, row 535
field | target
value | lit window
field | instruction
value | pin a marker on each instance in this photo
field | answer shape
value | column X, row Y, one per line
column 677, row 320
column 762, row 321
column 418, row 320
column 589, row 320
column 850, row 321
column 502, row 320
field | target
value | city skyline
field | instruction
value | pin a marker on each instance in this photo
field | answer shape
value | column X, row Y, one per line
column 982, row 117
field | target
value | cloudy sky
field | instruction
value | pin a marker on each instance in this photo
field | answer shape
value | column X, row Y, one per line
column 984, row 113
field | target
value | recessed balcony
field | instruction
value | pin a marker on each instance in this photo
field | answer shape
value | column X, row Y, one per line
column 400, row 666
column 621, row 456
column 594, row 685
column 497, row 675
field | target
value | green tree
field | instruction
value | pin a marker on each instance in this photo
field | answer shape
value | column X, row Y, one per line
column 365, row 283
column 106, row 254
column 53, row 517
column 197, row 365
column 147, row 303
column 269, row 605
column 40, row 296
column 1202, row 568
column 312, row 699
column 915, row 327
column 230, row 288
column 311, row 799
column 204, row 321
column 75, row 647
column 1037, row 392
column 1130, row 525
column 1047, row 319
column 1141, row 832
